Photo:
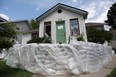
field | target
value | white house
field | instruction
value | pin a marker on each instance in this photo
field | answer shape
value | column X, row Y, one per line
column 61, row 22
column 24, row 28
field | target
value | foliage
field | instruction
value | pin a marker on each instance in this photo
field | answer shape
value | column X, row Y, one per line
column 6, row 71
column 7, row 32
column 98, row 36
column 34, row 24
column 111, row 16
column 113, row 73
column 5, row 43
column 80, row 38
column 44, row 39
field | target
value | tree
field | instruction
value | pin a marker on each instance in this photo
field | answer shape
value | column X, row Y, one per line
column 34, row 24
column 7, row 32
column 111, row 16
column 98, row 36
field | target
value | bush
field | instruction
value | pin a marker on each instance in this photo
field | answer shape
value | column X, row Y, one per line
column 80, row 38
column 44, row 39
column 5, row 43
column 98, row 36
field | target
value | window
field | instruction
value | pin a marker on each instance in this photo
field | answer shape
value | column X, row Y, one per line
column 17, row 28
column 74, row 27
column 35, row 35
column 59, row 11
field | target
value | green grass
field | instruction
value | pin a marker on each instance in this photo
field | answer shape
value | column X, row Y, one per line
column 113, row 73
column 6, row 71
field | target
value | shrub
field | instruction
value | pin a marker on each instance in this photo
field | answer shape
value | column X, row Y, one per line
column 5, row 43
column 80, row 38
column 98, row 36
column 44, row 39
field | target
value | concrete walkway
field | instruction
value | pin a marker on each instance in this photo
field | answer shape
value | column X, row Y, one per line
column 103, row 72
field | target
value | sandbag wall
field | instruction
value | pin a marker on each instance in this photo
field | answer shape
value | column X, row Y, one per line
column 58, row 59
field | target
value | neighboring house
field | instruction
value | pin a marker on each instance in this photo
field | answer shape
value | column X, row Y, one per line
column 23, row 27
column 100, row 26
column 61, row 22
column 34, row 33
column 3, row 20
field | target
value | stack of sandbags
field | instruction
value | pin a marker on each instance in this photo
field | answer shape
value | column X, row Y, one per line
column 58, row 59
column 93, row 56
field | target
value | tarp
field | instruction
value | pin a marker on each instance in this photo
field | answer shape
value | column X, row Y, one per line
column 58, row 59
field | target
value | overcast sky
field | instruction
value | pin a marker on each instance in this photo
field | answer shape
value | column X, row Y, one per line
column 28, row 9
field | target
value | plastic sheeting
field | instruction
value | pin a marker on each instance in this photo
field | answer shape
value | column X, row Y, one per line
column 3, row 54
column 58, row 59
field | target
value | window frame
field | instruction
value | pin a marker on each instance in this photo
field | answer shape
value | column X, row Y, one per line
column 77, row 25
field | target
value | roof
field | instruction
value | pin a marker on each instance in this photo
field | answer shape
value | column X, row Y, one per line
column 32, row 31
column 4, row 20
column 95, row 24
column 26, row 21
column 59, row 5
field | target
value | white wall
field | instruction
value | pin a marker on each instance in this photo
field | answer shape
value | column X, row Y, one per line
column 65, row 15
column 26, row 37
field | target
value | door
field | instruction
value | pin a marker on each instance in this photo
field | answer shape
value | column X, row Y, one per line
column 48, row 28
column 60, row 32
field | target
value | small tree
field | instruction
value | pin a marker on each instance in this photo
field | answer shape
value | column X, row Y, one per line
column 98, row 36
column 111, row 16
column 7, row 32
column 34, row 24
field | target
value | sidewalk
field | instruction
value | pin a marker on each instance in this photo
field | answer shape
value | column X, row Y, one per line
column 104, row 71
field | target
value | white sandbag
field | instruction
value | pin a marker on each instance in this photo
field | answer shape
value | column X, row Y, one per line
column 58, row 59
column 3, row 54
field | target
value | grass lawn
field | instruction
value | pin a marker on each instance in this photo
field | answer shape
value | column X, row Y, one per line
column 113, row 73
column 6, row 71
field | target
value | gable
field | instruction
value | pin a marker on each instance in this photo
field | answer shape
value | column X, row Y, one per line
column 23, row 25
column 62, row 6
column 64, row 15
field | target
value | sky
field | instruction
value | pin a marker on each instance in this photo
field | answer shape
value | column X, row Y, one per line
column 31, row 9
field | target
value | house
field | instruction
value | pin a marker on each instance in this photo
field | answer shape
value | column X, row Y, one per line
column 99, row 26
column 24, row 28
column 34, row 33
column 3, row 20
column 62, row 22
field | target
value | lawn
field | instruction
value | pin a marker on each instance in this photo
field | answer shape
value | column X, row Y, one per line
column 113, row 73
column 6, row 71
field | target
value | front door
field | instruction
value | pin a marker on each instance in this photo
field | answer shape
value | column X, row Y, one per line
column 60, row 32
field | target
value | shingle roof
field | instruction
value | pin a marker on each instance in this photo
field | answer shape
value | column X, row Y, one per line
column 67, row 7
column 95, row 24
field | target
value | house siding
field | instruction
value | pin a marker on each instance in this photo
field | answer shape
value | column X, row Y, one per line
column 64, row 16
column 26, row 38
column 23, row 38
